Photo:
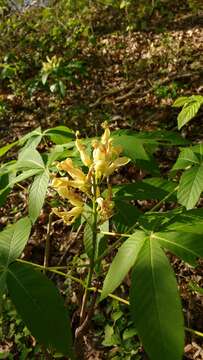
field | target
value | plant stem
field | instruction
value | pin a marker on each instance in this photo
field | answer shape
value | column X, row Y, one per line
column 195, row 332
column 113, row 234
column 94, row 243
column 47, row 244
column 94, row 289
column 41, row 267
column 115, row 244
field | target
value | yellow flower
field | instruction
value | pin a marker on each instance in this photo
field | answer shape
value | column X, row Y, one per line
column 69, row 216
column 67, row 183
column 100, row 168
column 75, row 173
column 121, row 161
column 61, row 186
column 106, row 156
column 99, row 152
column 105, row 208
column 83, row 154
column 106, row 135
column 51, row 64
column 105, row 160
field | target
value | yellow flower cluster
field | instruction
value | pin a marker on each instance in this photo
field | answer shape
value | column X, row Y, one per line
column 50, row 64
column 104, row 161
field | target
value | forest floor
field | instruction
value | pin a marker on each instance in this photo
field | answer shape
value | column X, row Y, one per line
column 132, row 81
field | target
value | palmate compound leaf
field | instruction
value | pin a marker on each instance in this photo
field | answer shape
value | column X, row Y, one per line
column 190, row 186
column 123, row 262
column 41, row 307
column 179, row 231
column 155, row 304
column 37, row 194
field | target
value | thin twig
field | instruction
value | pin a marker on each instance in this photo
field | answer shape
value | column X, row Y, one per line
column 140, row 86
column 47, row 244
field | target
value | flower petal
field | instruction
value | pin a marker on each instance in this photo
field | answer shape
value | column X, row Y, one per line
column 83, row 154
column 68, row 216
column 75, row 173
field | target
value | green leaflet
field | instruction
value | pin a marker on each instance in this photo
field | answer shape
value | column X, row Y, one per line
column 37, row 194
column 186, row 245
column 123, row 262
column 155, row 304
column 186, row 158
column 60, row 134
column 180, row 101
column 190, row 108
column 30, row 159
column 41, row 307
column 13, row 240
column 4, row 149
column 135, row 150
column 126, row 215
column 24, row 175
column 191, row 186
column 187, row 221
column 147, row 189
column 187, row 113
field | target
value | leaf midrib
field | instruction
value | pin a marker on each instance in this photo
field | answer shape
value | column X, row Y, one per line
column 175, row 244
column 41, row 179
column 154, row 290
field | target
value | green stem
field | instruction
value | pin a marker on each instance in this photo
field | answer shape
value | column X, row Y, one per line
column 113, row 234
column 195, row 332
column 47, row 244
column 116, row 243
column 41, row 267
column 94, row 289
column 94, row 243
